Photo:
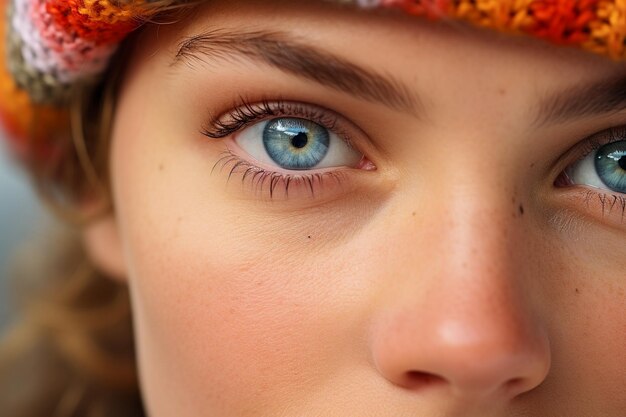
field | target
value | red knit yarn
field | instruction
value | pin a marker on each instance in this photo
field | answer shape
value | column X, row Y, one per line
column 563, row 21
column 92, row 24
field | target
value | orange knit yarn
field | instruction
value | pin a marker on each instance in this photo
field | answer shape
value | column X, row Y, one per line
column 595, row 25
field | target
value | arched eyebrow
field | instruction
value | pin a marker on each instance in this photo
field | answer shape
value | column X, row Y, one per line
column 603, row 96
column 280, row 50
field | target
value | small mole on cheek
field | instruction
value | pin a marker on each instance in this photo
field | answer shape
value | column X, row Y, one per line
column 161, row 167
column 308, row 237
column 502, row 91
column 414, row 213
column 521, row 210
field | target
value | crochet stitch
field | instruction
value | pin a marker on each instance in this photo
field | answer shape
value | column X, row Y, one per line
column 55, row 44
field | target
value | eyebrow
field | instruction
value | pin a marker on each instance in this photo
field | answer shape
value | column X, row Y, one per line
column 279, row 50
column 603, row 96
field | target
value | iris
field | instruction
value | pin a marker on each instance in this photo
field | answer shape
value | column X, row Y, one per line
column 610, row 164
column 296, row 144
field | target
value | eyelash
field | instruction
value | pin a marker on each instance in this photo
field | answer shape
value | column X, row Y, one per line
column 259, row 177
column 598, row 140
column 245, row 114
column 607, row 201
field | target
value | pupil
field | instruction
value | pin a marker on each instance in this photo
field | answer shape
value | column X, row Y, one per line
column 622, row 163
column 301, row 140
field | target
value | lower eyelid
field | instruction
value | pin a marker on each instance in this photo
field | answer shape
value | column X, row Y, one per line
column 235, row 151
column 320, row 185
column 602, row 206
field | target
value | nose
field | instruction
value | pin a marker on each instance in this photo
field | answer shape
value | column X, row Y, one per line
column 459, row 356
column 453, row 319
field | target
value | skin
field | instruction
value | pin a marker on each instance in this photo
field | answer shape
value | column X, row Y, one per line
column 455, row 279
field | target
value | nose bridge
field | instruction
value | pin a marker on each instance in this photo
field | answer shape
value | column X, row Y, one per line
column 456, row 312
column 469, row 228
column 464, row 253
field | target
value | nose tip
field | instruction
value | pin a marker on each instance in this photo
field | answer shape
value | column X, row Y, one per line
column 498, row 358
column 472, row 365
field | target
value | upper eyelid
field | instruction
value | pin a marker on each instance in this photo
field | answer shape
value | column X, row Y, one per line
column 592, row 143
column 246, row 113
column 229, row 122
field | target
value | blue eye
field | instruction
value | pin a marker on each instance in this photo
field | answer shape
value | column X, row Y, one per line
column 610, row 162
column 296, row 144
column 605, row 168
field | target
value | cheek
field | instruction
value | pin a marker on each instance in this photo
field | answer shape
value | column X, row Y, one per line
column 598, row 335
column 584, row 303
column 234, row 318
column 230, row 307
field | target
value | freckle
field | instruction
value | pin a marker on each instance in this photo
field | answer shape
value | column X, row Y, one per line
column 577, row 291
column 161, row 167
column 521, row 210
column 532, row 165
column 502, row 91
column 414, row 213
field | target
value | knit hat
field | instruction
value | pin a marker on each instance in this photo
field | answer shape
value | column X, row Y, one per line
column 51, row 45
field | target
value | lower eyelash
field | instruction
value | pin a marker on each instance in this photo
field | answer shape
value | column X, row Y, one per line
column 608, row 202
column 260, row 179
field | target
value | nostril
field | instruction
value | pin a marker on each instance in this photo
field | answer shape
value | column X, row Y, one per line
column 514, row 385
column 417, row 379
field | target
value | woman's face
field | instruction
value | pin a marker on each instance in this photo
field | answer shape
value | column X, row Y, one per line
column 326, row 212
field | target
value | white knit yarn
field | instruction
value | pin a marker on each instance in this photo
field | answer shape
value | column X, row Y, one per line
column 54, row 52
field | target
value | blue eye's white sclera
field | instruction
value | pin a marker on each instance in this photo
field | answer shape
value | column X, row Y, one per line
column 296, row 144
column 610, row 163
column 604, row 168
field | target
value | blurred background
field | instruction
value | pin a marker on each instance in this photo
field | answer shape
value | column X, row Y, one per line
column 21, row 218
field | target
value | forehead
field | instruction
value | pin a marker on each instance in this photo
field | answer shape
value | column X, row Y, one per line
column 446, row 65
column 389, row 38
column 330, row 19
